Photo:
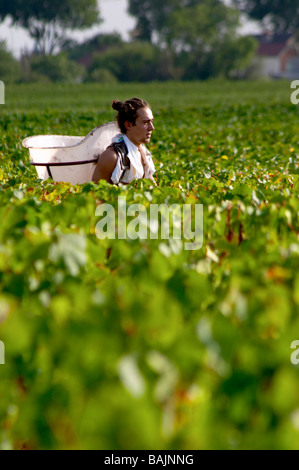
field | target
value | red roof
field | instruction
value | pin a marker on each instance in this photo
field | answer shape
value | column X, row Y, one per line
column 272, row 44
column 271, row 49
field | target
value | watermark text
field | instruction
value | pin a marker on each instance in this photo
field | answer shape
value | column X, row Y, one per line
column 158, row 221
column 2, row 353
column 295, row 94
column 295, row 354
column 2, row 93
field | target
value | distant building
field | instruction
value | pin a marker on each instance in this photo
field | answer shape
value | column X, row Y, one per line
column 277, row 56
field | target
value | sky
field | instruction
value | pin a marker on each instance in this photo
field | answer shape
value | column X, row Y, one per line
column 113, row 13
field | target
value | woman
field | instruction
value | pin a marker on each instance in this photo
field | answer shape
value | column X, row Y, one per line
column 127, row 158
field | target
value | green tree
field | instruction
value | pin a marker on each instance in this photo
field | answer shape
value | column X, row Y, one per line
column 281, row 15
column 55, row 68
column 48, row 22
column 96, row 44
column 226, row 59
column 200, row 25
column 137, row 61
column 200, row 35
column 151, row 15
column 9, row 66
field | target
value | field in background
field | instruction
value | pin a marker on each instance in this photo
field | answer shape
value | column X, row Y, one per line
column 140, row 344
column 98, row 97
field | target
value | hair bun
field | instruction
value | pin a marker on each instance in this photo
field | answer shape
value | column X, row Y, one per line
column 117, row 105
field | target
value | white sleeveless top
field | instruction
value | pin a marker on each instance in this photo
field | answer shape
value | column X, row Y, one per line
column 141, row 163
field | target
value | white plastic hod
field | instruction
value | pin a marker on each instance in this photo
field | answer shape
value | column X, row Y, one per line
column 69, row 159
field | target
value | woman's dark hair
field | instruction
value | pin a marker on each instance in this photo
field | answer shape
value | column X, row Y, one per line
column 127, row 111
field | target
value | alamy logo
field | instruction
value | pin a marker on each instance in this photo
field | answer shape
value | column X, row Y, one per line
column 2, row 93
column 2, row 353
column 295, row 354
column 151, row 222
column 294, row 98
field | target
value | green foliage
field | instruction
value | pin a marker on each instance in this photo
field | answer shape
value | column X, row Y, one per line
column 205, row 40
column 86, row 99
column 148, row 14
column 130, row 62
column 226, row 58
column 201, row 23
column 101, row 75
column 140, row 344
column 201, row 35
column 152, row 15
column 282, row 15
column 10, row 70
column 192, row 40
column 97, row 43
column 54, row 68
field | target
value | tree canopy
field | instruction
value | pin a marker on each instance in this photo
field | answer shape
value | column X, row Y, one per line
column 201, row 34
column 152, row 15
column 48, row 21
column 9, row 67
column 281, row 15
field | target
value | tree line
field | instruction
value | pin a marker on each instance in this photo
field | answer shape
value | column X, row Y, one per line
column 172, row 40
